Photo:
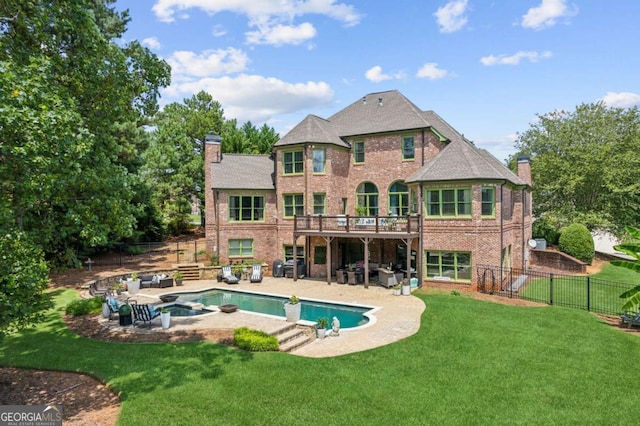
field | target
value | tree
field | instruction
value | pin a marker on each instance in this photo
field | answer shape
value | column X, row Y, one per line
column 74, row 101
column 632, row 249
column 583, row 166
column 23, row 280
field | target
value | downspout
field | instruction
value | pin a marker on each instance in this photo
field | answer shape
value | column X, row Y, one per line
column 524, row 203
column 422, row 137
column 216, row 202
column 420, row 255
column 501, row 225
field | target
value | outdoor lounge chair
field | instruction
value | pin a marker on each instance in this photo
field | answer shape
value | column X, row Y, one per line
column 256, row 274
column 112, row 303
column 630, row 318
column 227, row 276
column 144, row 313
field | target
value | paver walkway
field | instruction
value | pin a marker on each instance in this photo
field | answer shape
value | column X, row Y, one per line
column 394, row 318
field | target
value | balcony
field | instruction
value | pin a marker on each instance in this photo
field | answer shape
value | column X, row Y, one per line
column 345, row 225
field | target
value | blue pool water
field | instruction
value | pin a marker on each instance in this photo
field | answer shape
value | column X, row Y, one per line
column 349, row 316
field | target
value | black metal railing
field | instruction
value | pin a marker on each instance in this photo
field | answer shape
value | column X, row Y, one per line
column 347, row 223
column 576, row 291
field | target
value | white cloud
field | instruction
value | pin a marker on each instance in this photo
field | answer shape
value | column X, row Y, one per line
column 218, row 30
column 186, row 64
column 451, row 17
column 257, row 98
column 515, row 59
column 274, row 19
column 431, row 71
column 151, row 42
column 547, row 13
column 282, row 34
column 376, row 75
column 502, row 147
column 621, row 99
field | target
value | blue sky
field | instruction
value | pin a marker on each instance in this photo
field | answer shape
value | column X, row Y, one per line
column 486, row 67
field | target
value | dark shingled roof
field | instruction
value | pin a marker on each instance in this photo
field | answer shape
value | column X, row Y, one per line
column 460, row 160
column 243, row 171
column 313, row 129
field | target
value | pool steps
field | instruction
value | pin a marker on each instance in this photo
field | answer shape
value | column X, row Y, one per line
column 293, row 336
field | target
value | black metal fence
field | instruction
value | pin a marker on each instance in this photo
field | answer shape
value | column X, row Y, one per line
column 576, row 291
column 120, row 254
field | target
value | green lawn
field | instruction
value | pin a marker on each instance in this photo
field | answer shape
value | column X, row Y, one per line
column 472, row 362
column 599, row 292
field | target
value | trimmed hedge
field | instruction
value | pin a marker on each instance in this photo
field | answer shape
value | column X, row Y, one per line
column 84, row 306
column 576, row 241
column 254, row 340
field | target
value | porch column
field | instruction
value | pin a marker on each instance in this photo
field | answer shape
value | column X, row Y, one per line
column 328, row 259
column 366, row 241
column 295, row 258
column 408, row 263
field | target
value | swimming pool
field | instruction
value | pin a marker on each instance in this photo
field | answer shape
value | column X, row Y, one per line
column 349, row 315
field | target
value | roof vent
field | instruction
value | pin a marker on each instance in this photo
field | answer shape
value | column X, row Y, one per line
column 364, row 100
column 379, row 101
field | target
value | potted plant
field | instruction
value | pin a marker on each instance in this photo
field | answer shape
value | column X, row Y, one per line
column 178, row 277
column 133, row 286
column 397, row 290
column 118, row 287
column 165, row 317
column 292, row 309
column 321, row 327
column 406, row 287
column 237, row 271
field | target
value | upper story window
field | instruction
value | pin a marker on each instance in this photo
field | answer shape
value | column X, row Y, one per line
column 399, row 199
column 293, row 205
column 319, row 203
column 358, row 152
column 448, row 202
column 367, row 199
column 408, row 148
column 319, row 161
column 293, row 162
column 246, row 208
column 489, row 201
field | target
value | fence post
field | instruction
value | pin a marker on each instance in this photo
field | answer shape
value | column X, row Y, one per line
column 588, row 293
column 195, row 251
column 149, row 251
column 177, row 251
column 551, row 288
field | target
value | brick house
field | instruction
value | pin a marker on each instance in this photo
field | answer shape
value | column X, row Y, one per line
column 380, row 183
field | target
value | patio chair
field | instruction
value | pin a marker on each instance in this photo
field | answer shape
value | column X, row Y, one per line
column 256, row 274
column 630, row 318
column 145, row 313
column 227, row 276
column 112, row 303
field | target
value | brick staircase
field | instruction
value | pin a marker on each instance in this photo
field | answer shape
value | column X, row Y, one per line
column 293, row 336
column 190, row 271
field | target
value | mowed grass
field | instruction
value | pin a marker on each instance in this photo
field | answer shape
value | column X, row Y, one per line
column 602, row 294
column 472, row 362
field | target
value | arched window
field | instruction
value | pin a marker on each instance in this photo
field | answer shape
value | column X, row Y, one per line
column 398, row 199
column 367, row 199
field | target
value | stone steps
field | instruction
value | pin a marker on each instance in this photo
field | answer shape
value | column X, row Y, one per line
column 293, row 336
column 190, row 271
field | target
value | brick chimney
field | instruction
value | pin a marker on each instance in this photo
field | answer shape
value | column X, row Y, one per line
column 524, row 168
column 212, row 149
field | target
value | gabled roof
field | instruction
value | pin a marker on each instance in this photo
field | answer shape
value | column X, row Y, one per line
column 377, row 113
column 312, row 129
column 460, row 160
column 243, row 171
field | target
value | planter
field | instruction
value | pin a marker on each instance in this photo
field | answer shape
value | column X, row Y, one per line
column 397, row 292
column 406, row 290
column 292, row 312
column 321, row 333
column 169, row 298
column 166, row 319
column 228, row 308
column 178, row 281
column 133, row 286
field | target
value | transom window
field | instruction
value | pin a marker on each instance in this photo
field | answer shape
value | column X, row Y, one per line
column 488, row 201
column 319, row 204
column 449, row 202
column 246, row 208
column 293, row 162
column 454, row 265
column 408, row 148
column 241, row 248
column 358, row 152
column 367, row 196
column 399, row 199
column 319, row 160
column 293, row 205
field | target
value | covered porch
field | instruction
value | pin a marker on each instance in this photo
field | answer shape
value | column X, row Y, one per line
column 396, row 241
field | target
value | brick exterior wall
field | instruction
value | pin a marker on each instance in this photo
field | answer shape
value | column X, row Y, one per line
column 483, row 237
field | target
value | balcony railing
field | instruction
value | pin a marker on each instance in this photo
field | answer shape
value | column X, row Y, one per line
column 358, row 224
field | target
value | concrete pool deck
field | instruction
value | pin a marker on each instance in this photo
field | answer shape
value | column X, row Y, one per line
column 396, row 317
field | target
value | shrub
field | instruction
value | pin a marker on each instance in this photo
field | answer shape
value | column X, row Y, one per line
column 84, row 306
column 576, row 241
column 254, row 340
column 547, row 229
